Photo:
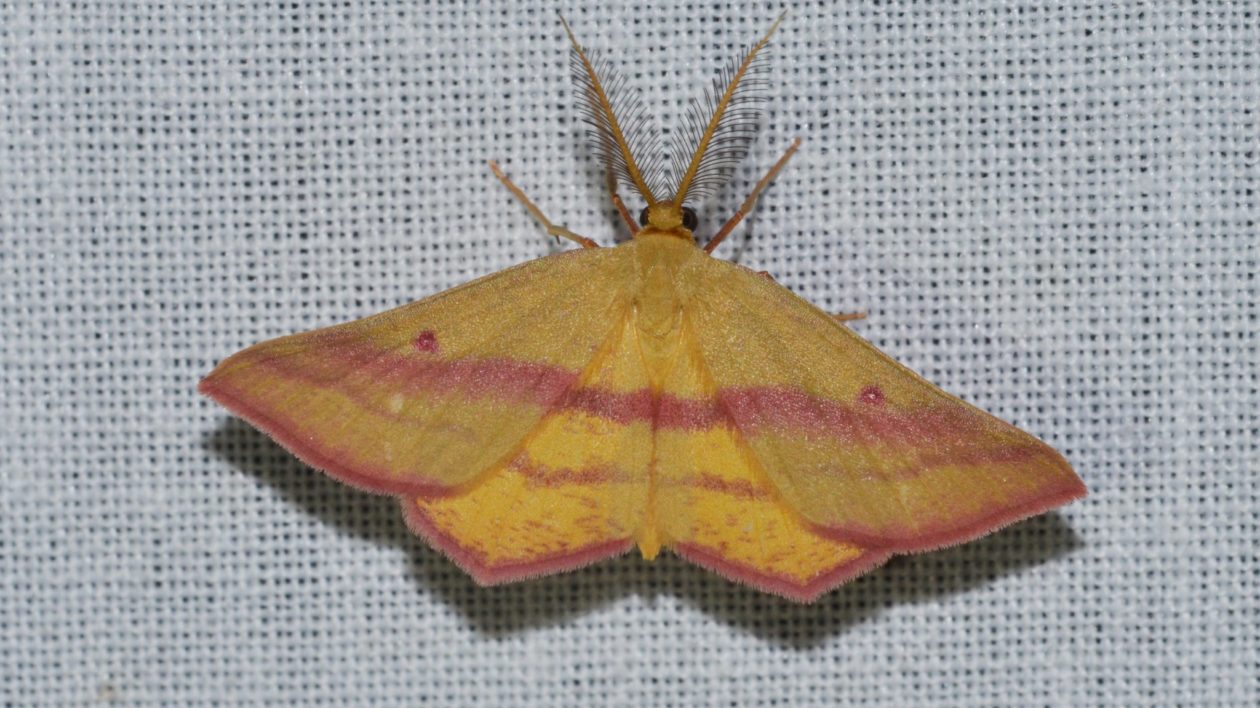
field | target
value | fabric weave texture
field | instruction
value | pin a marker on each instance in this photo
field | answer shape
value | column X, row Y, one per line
column 1049, row 209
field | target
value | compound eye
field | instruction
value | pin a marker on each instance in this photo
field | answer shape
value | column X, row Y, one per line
column 643, row 217
column 689, row 219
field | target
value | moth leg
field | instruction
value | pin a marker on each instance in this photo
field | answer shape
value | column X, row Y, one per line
column 840, row 317
column 621, row 206
column 534, row 211
column 747, row 206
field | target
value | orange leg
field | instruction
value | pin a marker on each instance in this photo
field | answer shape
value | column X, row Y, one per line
column 839, row 318
column 747, row 206
column 621, row 206
column 842, row 317
column 534, row 211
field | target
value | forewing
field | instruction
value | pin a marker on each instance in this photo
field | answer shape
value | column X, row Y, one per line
column 718, row 508
column 427, row 396
column 576, row 490
column 860, row 446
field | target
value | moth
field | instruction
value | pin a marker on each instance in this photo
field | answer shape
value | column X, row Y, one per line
column 646, row 395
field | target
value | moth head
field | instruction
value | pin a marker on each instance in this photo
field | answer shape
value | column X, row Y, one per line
column 669, row 216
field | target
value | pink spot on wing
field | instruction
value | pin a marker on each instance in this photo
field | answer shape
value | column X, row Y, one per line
column 426, row 341
column 872, row 395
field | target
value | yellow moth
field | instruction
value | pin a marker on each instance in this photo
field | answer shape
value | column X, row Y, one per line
column 647, row 395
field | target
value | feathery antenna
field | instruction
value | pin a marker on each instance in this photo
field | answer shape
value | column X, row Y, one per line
column 722, row 126
column 616, row 143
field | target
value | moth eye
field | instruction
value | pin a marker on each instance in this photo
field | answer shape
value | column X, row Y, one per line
column 689, row 219
column 643, row 217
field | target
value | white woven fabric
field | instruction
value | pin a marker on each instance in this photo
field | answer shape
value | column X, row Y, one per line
column 1051, row 211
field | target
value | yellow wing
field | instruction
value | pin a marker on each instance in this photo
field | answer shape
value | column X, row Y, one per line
column 860, row 447
column 716, row 507
column 576, row 491
column 427, row 396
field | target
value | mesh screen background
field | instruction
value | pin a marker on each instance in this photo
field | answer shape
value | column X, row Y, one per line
column 1049, row 209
